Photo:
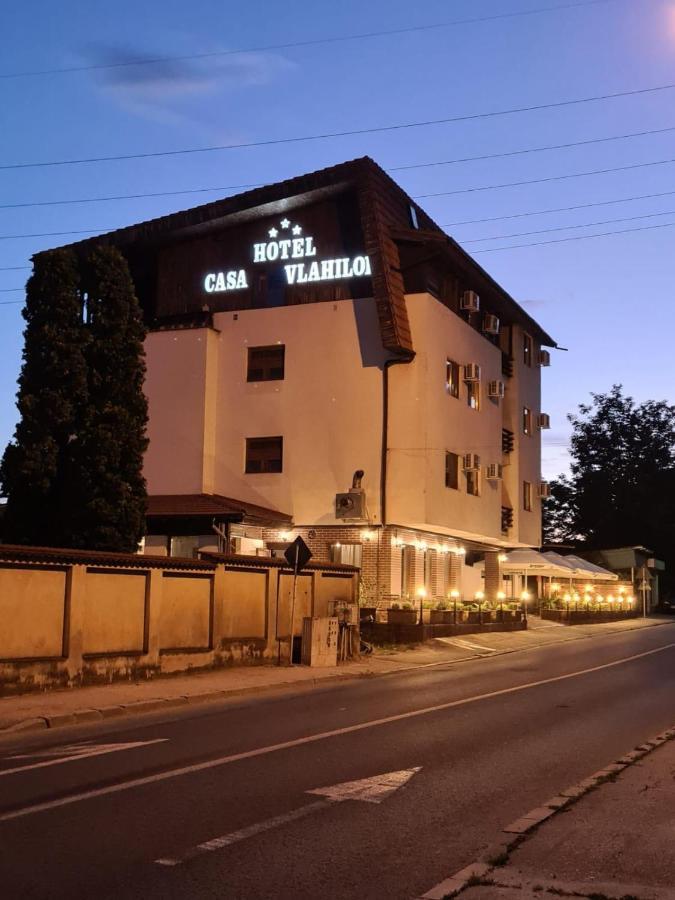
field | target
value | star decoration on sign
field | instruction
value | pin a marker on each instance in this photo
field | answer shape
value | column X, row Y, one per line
column 296, row 229
column 273, row 232
column 285, row 223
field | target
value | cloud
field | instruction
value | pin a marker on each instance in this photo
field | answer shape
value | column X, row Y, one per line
column 170, row 91
column 533, row 303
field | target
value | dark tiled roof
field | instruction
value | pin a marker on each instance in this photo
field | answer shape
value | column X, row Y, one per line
column 384, row 209
column 161, row 505
column 12, row 553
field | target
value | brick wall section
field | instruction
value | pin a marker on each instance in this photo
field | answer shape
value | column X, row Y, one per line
column 493, row 580
column 381, row 559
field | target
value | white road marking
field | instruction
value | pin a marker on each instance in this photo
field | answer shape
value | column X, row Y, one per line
column 367, row 790
column 467, row 645
column 73, row 752
column 313, row 738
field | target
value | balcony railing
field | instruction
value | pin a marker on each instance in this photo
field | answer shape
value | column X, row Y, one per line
column 508, row 441
column 507, row 365
column 507, row 519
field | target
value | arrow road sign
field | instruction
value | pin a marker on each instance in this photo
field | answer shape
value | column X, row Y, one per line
column 366, row 790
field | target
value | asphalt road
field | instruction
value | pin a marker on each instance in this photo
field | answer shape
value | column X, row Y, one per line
column 89, row 811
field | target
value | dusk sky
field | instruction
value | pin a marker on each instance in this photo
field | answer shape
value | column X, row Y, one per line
column 609, row 300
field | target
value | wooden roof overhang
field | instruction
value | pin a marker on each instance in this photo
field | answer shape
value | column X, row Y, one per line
column 385, row 218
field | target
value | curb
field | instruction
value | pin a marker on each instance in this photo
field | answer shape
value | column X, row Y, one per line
column 518, row 831
column 155, row 704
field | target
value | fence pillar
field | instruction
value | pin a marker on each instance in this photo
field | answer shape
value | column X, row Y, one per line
column 219, row 600
column 152, row 614
column 74, row 630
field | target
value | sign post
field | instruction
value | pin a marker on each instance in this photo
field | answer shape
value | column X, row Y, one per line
column 297, row 556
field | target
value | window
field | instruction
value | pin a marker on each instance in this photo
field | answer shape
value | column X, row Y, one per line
column 472, row 482
column 527, row 420
column 347, row 554
column 452, row 471
column 264, row 454
column 452, row 377
column 528, row 349
column 428, row 571
column 266, row 363
column 473, row 394
column 527, row 496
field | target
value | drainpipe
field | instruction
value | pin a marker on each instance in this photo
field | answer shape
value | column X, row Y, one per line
column 408, row 358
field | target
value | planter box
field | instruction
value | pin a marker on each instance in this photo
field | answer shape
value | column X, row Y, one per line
column 402, row 616
column 439, row 617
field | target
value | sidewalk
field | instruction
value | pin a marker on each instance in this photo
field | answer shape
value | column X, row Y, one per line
column 66, row 707
column 616, row 842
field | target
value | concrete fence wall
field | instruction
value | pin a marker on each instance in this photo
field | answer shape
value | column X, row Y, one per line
column 70, row 617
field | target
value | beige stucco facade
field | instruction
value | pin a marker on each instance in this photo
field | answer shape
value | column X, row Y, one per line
column 329, row 410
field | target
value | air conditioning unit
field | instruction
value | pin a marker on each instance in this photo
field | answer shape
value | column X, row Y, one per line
column 490, row 324
column 471, row 462
column 544, row 421
column 472, row 372
column 494, row 472
column 496, row 390
column 470, row 301
column 544, row 489
column 351, row 505
column 544, row 358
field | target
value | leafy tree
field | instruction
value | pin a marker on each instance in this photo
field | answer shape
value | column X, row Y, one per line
column 621, row 487
column 52, row 394
column 111, row 494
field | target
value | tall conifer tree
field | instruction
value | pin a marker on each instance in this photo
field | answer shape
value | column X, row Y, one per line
column 111, row 494
column 51, row 397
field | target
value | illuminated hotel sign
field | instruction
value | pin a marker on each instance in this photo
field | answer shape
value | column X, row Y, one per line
column 288, row 243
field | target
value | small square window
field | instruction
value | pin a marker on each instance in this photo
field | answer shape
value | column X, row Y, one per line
column 528, row 349
column 264, row 454
column 452, row 471
column 527, row 420
column 527, row 496
column 347, row 554
column 473, row 394
column 266, row 363
column 452, row 377
column 473, row 482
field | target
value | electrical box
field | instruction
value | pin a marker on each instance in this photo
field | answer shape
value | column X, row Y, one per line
column 319, row 641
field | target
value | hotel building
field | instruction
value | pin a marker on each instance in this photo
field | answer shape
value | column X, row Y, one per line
column 323, row 360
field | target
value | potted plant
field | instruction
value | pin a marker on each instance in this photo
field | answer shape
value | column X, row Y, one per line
column 438, row 615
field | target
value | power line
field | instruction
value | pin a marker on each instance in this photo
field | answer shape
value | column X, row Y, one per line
column 11, row 290
column 489, row 187
column 12, row 268
column 298, row 44
column 449, row 162
column 9, row 302
column 334, row 134
column 504, row 237
column 579, row 237
column 543, row 212
column 446, row 162
column 494, row 187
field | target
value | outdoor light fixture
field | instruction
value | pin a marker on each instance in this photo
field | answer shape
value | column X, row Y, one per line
column 421, row 592
column 367, row 535
column 622, row 590
column 610, row 598
column 588, row 588
column 555, row 587
column 503, row 557
column 396, row 542
column 286, row 536
column 525, row 596
column 567, row 598
column 479, row 595
column 599, row 598
column 501, row 595
column 454, row 595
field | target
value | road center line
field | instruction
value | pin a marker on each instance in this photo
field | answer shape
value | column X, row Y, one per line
column 313, row 738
